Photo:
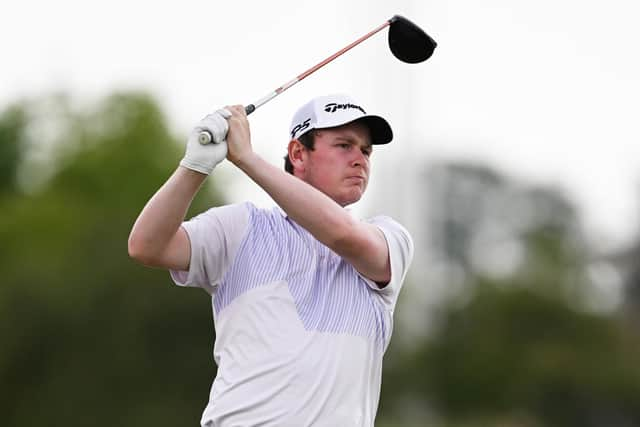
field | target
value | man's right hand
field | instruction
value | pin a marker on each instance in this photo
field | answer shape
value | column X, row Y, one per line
column 204, row 158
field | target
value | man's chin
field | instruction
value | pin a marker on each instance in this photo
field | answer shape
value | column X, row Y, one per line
column 351, row 198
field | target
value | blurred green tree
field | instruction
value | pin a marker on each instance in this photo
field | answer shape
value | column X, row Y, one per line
column 88, row 336
column 12, row 130
column 513, row 354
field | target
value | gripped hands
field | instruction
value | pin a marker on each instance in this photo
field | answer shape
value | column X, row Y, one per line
column 239, row 136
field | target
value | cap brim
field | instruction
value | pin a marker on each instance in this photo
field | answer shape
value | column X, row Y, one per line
column 379, row 128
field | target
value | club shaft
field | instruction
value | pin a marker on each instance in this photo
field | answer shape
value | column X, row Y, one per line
column 315, row 68
column 206, row 136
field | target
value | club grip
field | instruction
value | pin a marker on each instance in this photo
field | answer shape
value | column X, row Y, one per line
column 205, row 136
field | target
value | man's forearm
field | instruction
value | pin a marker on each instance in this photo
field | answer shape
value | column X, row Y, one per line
column 325, row 219
column 163, row 214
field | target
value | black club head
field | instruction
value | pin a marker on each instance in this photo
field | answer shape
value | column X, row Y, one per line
column 408, row 42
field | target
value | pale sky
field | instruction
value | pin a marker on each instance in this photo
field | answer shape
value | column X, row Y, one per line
column 545, row 91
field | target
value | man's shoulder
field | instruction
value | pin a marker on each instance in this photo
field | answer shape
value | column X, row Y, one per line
column 391, row 227
column 385, row 220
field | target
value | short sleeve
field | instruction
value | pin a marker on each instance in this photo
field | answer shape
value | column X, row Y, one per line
column 214, row 236
column 401, row 251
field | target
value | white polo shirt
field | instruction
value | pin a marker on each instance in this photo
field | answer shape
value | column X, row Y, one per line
column 300, row 334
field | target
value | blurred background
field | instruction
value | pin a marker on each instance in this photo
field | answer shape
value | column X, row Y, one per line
column 515, row 166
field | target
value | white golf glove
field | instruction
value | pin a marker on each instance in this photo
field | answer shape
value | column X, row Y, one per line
column 204, row 157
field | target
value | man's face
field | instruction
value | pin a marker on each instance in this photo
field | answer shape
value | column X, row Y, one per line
column 339, row 163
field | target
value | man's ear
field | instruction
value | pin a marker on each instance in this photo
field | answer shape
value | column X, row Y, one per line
column 297, row 153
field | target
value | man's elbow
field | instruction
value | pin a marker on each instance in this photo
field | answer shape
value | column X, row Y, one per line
column 139, row 251
column 367, row 250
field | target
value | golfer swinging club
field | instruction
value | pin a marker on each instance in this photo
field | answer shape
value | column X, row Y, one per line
column 303, row 294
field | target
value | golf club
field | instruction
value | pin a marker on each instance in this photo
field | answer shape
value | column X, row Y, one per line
column 408, row 42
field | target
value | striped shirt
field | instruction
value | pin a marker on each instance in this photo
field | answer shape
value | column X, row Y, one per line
column 300, row 334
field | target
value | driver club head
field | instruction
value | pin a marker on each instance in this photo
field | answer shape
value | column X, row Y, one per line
column 408, row 42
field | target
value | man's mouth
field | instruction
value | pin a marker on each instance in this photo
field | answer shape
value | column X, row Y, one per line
column 356, row 178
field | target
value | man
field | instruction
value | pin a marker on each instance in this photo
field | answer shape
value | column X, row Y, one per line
column 303, row 294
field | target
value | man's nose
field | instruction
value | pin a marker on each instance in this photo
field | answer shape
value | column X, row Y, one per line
column 359, row 158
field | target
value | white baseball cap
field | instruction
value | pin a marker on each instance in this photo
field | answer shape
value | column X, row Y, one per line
column 336, row 110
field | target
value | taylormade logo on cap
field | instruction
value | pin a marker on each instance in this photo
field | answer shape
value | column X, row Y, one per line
column 332, row 107
column 337, row 110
